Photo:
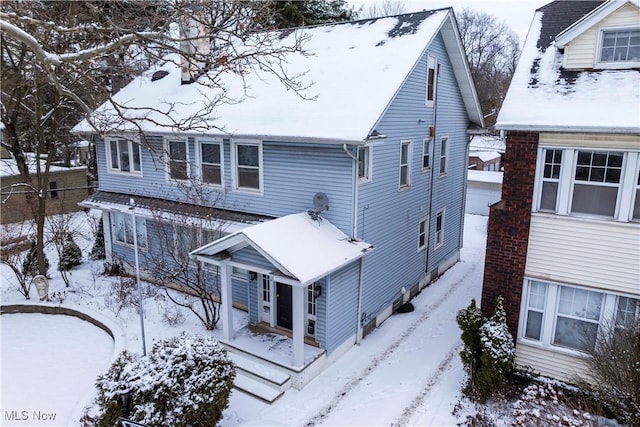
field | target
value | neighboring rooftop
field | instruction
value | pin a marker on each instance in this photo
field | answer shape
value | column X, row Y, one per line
column 543, row 96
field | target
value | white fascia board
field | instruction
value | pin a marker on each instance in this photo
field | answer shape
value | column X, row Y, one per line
column 571, row 129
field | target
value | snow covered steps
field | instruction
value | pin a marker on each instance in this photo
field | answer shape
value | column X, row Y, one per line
column 259, row 379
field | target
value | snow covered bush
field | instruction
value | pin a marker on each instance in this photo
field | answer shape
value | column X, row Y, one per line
column 498, row 353
column 185, row 380
column 71, row 255
column 488, row 353
column 470, row 320
column 98, row 251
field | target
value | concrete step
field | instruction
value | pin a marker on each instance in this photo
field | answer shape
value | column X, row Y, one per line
column 260, row 370
column 256, row 388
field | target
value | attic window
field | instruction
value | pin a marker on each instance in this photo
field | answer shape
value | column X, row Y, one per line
column 620, row 46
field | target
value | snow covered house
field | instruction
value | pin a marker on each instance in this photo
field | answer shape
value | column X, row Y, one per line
column 563, row 243
column 334, row 211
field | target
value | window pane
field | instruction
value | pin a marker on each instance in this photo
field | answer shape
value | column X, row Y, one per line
column 627, row 311
column 248, row 155
column 430, row 84
column 403, row 175
column 537, row 295
column 404, row 153
column 248, row 178
column 141, row 231
column 534, row 325
column 136, row 157
column 596, row 200
column 580, row 303
column 574, row 333
column 178, row 150
column 210, row 153
column 636, row 206
column 114, row 154
column 123, row 145
column 211, row 174
column 178, row 170
column 549, row 196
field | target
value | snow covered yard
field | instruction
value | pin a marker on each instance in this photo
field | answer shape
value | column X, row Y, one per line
column 49, row 366
column 407, row 372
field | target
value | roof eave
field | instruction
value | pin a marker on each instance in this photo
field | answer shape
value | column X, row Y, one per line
column 568, row 129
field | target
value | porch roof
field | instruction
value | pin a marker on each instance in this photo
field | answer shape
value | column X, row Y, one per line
column 301, row 247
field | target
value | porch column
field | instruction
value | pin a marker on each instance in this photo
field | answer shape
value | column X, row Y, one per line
column 226, row 300
column 298, row 324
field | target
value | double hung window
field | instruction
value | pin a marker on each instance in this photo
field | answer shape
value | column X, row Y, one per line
column 596, row 183
column 405, row 163
column 248, row 158
column 440, row 228
column 422, row 233
column 444, row 146
column 364, row 163
column 178, row 160
column 427, row 148
column 550, row 179
column 124, row 156
column 211, row 162
column 432, row 78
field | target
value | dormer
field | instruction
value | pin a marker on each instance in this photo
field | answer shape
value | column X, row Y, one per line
column 606, row 38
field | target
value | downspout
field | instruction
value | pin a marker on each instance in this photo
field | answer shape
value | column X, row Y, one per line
column 354, row 232
column 433, row 168
column 355, row 236
column 359, row 319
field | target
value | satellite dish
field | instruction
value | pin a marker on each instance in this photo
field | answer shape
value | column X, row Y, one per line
column 320, row 202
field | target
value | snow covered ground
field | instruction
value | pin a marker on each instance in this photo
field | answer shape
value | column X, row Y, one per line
column 407, row 372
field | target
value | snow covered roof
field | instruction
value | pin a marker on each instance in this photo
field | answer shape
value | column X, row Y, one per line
column 488, row 143
column 543, row 96
column 299, row 246
column 485, row 176
column 8, row 167
column 356, row 69
column 485, row 156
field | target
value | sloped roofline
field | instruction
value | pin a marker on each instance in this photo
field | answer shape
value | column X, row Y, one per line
column 458, row 58
column 590, row 19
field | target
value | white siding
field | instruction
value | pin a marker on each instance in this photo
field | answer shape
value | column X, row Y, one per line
column 551, row 363
column 599, row 254
column 585, row 140
column 581, row 52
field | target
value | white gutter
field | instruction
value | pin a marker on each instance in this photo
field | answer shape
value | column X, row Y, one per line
column 573, row 129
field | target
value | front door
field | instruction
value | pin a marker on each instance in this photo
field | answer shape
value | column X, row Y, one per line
column 284, row 302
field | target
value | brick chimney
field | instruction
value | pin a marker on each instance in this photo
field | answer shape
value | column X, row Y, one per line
column 196, row 48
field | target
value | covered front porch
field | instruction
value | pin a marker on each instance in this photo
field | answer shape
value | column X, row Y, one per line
column 289, row 262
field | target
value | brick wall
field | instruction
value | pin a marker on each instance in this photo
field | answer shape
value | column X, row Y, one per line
column 508, row 229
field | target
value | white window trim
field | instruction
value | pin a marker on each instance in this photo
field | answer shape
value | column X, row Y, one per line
column 368, row 164
column 625, row 198
column 550, row 314
column 234, row 163
column 432, row 63
column 444, row 156
column 198, row 156
column 613, row 65
column 424, row 220
column 439, row 238
column 427, row 141
column 167, row 151
column 133, row 143
column 409, row 144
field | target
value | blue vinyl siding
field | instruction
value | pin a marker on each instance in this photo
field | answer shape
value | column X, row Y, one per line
column 342, row 306
column 293, row 173
column 388, row 217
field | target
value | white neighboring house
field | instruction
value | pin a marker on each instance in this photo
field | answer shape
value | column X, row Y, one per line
column 484, row 177
column 563, row 245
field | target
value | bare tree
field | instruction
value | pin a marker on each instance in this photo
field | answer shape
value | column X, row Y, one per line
column 492, row 51
column 13, row 251
column 61, row 60
column 167, row 259
column 379, row 8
